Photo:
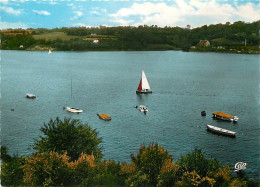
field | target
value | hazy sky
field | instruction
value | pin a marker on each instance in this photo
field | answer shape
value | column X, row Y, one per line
column 93, row 13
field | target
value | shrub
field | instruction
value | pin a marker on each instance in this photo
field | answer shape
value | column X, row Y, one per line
column 69, row 136
column 12, row 171
column 149, row 162
column 47, row 169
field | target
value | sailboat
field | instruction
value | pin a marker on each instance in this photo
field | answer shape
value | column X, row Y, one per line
column 50, row 52
column 72, row 109
column 143, row 86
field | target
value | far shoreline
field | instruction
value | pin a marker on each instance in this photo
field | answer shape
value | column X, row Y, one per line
column 191, row 51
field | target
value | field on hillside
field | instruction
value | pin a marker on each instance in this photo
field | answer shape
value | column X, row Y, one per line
column 53, row 36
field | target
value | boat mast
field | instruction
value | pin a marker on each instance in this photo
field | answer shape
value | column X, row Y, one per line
column 71, row 88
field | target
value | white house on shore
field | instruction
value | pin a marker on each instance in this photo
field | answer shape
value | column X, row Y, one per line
column 95, row 41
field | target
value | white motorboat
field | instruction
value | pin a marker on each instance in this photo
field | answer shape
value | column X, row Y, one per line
column 221, row 131
column 142, row 108
column 143, row 86
column 74, row 110
column 31, row 96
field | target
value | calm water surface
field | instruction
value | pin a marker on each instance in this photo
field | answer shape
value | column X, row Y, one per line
column 184, row 84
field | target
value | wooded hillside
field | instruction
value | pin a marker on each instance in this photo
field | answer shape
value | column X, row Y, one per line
column 239, row 37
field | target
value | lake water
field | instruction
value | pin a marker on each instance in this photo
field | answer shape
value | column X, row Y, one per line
column 183, row 85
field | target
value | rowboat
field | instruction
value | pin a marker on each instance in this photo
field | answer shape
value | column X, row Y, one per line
column 221, row 131
column 104, row 117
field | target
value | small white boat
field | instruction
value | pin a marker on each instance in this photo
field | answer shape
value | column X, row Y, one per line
column 74, row 110
column 31, row 96
column 143, row 87
column 142, row 108
column 221, row 131
column 49, row 52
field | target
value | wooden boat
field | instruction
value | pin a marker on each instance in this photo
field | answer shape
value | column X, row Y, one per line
column 31, row 96
column 221, row 131
column 104, row 117
column 143, row 87
column 74, row 110
column 225, row 117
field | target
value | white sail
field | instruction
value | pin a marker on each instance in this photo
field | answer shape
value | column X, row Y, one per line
column 145, row 84
column 50, row 52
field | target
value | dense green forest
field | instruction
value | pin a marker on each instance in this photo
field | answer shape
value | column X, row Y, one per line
column 68, row 154
column 239, row 37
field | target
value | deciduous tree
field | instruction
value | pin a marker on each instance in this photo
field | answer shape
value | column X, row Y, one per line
column 69, row 136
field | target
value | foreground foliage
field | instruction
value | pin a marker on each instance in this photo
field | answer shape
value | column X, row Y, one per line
column 151, row 166
column 70, row 136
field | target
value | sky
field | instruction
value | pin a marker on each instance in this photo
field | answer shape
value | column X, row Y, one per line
column 94, row 13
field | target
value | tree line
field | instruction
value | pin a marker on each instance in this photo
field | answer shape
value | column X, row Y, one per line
column 239, row 36
column 68, row 154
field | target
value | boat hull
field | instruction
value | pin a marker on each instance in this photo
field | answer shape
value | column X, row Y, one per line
column 30, row 96
column 104, row 117
column 221, row 131
column 143, row 109
column 74, row 110
column 143, row 91
column 224, row 117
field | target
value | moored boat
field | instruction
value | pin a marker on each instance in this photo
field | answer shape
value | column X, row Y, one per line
column 143, row 87
column 74, row 110
column 225, row 117
column 31, row 96
column 142, row 108
column 104, row 117
column 221, row 131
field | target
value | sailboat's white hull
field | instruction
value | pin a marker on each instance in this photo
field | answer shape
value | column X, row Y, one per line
column 74, row 110
column 143, row 91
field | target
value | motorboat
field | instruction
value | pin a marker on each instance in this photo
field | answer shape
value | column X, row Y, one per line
column 225, row 117
column 142, row 108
